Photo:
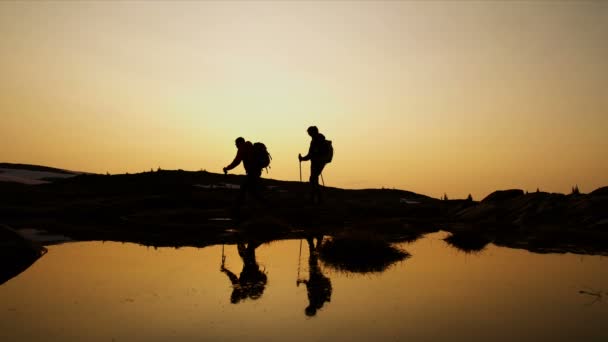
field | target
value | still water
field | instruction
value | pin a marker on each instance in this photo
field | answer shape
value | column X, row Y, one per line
column 95, row 291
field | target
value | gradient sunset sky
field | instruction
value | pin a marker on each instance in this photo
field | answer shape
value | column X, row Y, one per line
column 434, row 97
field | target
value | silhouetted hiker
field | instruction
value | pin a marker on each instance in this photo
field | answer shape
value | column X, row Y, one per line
column 318, row 286
column 252, row 281
column 253, row 169
column 319, row 153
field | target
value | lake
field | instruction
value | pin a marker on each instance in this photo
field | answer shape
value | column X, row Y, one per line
column 109, row 291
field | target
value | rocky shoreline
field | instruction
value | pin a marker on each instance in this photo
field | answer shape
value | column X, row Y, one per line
column 182, row 208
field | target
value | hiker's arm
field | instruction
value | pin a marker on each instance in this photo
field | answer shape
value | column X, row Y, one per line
column 233, row 278
column 308, row 155
column 237, row 160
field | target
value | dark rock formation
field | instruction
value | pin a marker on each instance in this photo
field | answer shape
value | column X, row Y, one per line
column 513, row 208
column 603, row 191
column 502, row 195
column 177, row 208
column 16, row 253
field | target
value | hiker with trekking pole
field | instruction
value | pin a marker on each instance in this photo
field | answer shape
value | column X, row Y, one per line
column 318, row 286
column 255, row 157
column 251, row 282
column 320, row 153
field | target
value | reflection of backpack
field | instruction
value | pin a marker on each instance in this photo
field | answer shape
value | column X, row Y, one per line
column 261, row 156
column 326, row 151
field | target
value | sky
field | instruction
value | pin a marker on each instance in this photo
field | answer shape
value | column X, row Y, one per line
column 433, row 97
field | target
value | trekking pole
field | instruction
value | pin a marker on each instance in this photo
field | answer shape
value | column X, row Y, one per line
column 322, row 180
column 223, row 256
column 300, row 169
column 299, row 258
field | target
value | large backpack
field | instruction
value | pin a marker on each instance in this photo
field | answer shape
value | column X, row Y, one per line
column 261, row 157
column 326, row 151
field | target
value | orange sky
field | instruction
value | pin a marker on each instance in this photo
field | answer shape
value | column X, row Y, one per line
column 455, row 97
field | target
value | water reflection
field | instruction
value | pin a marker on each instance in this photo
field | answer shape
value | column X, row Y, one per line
column 87, row 291
column 468, row 242
column 360, row 255
column 318, row 286
column 17, row 254
column 251, row 282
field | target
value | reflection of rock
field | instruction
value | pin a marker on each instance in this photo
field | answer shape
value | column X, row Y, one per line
column 16, row 253
column 468, row 242
column 360, row 255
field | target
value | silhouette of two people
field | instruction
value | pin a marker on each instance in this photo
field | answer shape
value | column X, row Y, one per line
column 318, row 286
column 317, row 156
column 251, row 185
column 251, row 282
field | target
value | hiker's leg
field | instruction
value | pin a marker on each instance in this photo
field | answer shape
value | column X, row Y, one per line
column 315, row 172
column 314, row 181
column 242, row 196
column 255, row 186
column 241, row 248
column 243, row 192
column 319, row 189
column 319, row 240
column 311, row 245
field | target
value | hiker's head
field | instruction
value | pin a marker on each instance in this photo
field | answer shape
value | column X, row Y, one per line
column 312, row 131
column 239, row 142
column 310, row 311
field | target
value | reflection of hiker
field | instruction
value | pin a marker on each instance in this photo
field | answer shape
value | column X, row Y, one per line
column 252, row 281
column 318, row 286
column 251, row 183
column 319, row 153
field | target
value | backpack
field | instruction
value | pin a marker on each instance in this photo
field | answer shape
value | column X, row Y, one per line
column 261, row 157
column 326, row 151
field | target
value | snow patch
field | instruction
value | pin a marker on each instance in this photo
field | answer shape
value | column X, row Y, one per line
column 29, row 176
column 218, row 186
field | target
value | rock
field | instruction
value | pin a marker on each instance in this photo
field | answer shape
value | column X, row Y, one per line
column 16, row 253
column 603, row 191
column 502, row 195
